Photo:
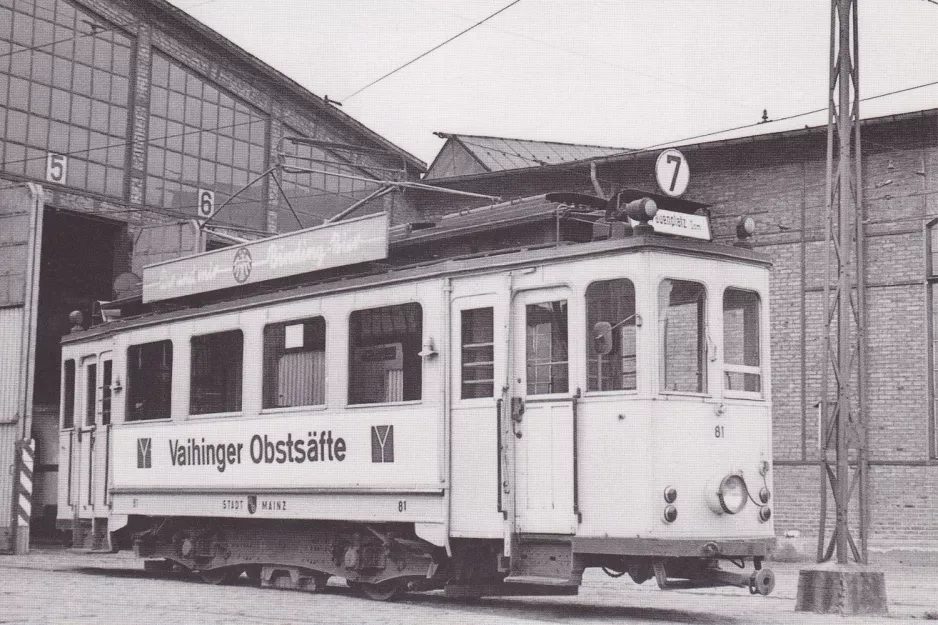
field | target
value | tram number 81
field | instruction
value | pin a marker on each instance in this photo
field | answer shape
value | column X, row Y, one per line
column 719, row 432
column 402, row 505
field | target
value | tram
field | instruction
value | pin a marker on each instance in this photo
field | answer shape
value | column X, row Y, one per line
column 487, row 406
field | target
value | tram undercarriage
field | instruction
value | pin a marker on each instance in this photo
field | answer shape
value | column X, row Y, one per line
column 384, row 560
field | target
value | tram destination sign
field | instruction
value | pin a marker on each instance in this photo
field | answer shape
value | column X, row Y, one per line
column 330, row 245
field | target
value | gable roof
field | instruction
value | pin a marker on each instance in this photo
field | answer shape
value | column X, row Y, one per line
column 322, row 106
column 474, row 154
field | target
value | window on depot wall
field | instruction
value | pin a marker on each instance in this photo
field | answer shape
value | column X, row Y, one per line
column 741, row 368
column 682, row 307
column 216, row 374
column 64, row 89
column 149, row 381
column 384, row 360
column 610, row 335
column 203, row 138
column 295, row 363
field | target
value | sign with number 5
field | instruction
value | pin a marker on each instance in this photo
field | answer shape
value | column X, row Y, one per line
column 206, row 204
column 672, row 173
column 56, row 168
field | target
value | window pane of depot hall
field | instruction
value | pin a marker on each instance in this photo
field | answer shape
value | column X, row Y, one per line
column 316, row 195
column 216, row 373
column 64, row 88
column 384, row 361
column 295, row 363
column 202, row 138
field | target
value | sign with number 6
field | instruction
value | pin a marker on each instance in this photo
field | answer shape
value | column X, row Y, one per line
column 672, row 173
column 206, row 206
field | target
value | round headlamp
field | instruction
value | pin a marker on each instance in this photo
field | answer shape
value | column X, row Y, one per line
column 732, row 494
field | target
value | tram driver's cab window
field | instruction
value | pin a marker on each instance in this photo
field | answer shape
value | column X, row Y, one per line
column 384, row 354
column 546, row 348
column 149, row 381
column 216, row 373
column 295, row 363
column 682, row 307
column 610, row 336
column 741, row 364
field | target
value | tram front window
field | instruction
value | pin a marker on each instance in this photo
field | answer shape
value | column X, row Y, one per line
column 610, row 335
column 682, row 309
column 546, row 348
column 741, row 341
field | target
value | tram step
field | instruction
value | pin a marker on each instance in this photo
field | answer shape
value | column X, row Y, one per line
column 539, row 580
column 502, row 590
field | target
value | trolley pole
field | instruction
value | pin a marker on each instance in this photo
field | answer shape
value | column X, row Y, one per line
column 843, row 588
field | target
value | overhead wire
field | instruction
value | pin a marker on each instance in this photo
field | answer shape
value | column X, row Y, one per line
column 431, row 50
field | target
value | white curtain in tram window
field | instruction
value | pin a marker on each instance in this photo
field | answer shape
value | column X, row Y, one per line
column 395, row 385
column 302, row 379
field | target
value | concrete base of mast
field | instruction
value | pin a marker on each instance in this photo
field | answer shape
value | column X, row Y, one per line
column 844, row 589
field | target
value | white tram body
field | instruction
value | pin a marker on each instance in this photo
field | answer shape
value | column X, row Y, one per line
column 506, row 419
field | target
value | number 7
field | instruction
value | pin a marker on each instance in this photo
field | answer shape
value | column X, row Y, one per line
column 673, row 158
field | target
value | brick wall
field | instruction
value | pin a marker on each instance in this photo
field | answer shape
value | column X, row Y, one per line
column 781, row 182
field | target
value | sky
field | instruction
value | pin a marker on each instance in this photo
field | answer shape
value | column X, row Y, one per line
column 621, row 73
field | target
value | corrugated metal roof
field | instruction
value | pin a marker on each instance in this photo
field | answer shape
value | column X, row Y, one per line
column 501, row 154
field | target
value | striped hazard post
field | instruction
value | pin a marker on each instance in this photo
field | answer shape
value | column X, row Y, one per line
column 24, row 486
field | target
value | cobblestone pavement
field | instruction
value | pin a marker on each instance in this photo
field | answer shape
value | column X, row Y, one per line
column 51, row 587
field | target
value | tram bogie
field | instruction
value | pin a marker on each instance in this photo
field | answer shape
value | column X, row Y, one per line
column 484, row 425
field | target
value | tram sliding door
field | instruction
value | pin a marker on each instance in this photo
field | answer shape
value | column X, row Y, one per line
column 542, row 413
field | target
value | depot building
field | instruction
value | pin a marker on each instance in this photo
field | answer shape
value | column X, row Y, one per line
column 124, row 126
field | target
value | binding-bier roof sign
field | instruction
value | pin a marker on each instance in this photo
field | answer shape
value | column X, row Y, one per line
column 313, row 249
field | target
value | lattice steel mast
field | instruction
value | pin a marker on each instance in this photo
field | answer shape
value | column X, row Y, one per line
column 844, row 373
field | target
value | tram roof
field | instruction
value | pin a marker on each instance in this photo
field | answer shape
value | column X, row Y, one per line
column 487, row 262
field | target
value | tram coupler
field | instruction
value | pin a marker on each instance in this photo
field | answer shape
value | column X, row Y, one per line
column 759, row 582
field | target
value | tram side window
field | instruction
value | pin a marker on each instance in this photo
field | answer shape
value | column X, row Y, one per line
column 149, row 381
column 741, row 341
column 91, row 385
column 478, row 353
column 384, row 359
column 546, row 348
column 295, row 363
column 68, row 400
column 216, row 373
column 683, row 309
column 610, row 335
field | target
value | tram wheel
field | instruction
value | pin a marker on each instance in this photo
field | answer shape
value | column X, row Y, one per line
column 385, row 591
column 220, row 576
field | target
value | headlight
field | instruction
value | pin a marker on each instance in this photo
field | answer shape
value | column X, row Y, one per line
column 732, row 494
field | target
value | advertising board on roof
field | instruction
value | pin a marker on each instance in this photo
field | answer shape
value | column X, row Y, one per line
column 313, row 249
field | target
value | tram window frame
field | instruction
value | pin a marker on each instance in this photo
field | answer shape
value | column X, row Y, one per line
column 557, row 323
column 221, row 368
column 312, row 340
column 374, row 343
column 91, row 393
column 751, row 354
column 149, row 384
column 477, row 325
column 703, row 340
column 68, row 394
column 598, row 339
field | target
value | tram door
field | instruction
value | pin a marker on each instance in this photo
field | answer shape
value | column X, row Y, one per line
column 85, row 410
column 101, row 435
column 542, row 413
